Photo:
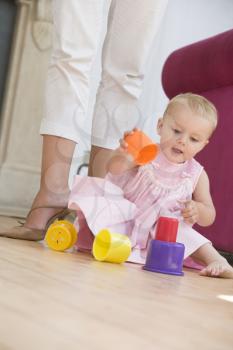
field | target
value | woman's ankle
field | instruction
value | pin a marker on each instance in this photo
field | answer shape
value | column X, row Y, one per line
column 54, row 199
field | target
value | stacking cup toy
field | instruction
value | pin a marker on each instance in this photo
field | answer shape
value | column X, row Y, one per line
column 141, row 147
column 111, row 247
column 166, row 229
column 61, row 235
column 165, row 257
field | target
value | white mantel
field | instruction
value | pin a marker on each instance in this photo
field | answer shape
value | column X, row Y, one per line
column 20, row 142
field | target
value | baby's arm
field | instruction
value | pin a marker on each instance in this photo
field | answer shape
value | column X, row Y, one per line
column 201, row 209
column 121, row 161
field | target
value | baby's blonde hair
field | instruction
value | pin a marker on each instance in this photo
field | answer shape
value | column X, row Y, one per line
column 198, row 104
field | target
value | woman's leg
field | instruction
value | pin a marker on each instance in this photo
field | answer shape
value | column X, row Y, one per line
column 77, row 27
column 132, row 27
column 57, row 155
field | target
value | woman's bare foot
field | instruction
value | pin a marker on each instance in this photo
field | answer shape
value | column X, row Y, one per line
column 219, row 268
column 44, row 208
column 38, row 218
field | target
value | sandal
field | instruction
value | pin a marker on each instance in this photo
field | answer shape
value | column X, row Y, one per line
column 33, row 234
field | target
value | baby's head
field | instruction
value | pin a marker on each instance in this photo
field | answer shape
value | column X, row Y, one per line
column 187, row 124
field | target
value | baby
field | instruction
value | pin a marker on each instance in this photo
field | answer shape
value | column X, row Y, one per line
column 131, row 198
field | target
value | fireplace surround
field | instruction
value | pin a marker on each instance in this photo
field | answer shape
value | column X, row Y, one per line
column 22, row 106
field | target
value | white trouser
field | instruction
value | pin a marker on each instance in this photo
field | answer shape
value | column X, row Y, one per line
column 132, row 25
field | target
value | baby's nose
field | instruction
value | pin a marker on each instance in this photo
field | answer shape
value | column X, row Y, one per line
column 182, row 139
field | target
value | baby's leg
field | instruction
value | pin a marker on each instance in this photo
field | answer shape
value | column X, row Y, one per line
column 217, row 266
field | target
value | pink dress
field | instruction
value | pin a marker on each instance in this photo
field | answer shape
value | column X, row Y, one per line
column 132, row 202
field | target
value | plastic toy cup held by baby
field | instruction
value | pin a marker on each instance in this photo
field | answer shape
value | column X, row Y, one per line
column 61, row 235
column 166, row 229
column 111, row 247
column 141, row 147
column 165, row 257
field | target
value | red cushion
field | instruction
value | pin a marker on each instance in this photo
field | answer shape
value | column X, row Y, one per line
column 206, row 68
column 199, row 67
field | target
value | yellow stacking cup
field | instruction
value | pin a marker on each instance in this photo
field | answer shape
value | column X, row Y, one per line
column 111, row 247
column 61, row 235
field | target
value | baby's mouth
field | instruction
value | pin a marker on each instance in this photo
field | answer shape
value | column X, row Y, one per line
column 177, row 150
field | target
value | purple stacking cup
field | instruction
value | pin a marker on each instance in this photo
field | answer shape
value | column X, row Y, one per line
column 165, row 257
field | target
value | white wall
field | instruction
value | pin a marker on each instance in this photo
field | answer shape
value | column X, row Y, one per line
column 185, row 21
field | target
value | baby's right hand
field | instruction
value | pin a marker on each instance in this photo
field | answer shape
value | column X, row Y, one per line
column 121, row 160
column 123, row 144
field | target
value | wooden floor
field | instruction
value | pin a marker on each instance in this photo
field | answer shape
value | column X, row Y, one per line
column 65, row 301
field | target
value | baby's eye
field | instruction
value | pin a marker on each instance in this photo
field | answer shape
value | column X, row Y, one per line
column 193, row 139
column 176, row 131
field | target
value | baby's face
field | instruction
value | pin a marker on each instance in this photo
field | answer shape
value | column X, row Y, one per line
column 183, row 133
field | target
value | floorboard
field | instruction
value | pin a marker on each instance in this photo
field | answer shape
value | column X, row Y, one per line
column 52, row 300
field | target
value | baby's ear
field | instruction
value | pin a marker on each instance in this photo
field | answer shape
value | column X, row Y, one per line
column 159, row 125
column 204, row 144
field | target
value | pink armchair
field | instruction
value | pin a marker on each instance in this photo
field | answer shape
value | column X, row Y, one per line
column 206, row 68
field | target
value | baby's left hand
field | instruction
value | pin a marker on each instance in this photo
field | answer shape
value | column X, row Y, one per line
column 190, row 212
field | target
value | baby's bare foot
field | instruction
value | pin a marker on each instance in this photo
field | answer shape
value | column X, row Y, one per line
column 220, row 268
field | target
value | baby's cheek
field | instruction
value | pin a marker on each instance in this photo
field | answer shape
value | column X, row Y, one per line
column 165, row 144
